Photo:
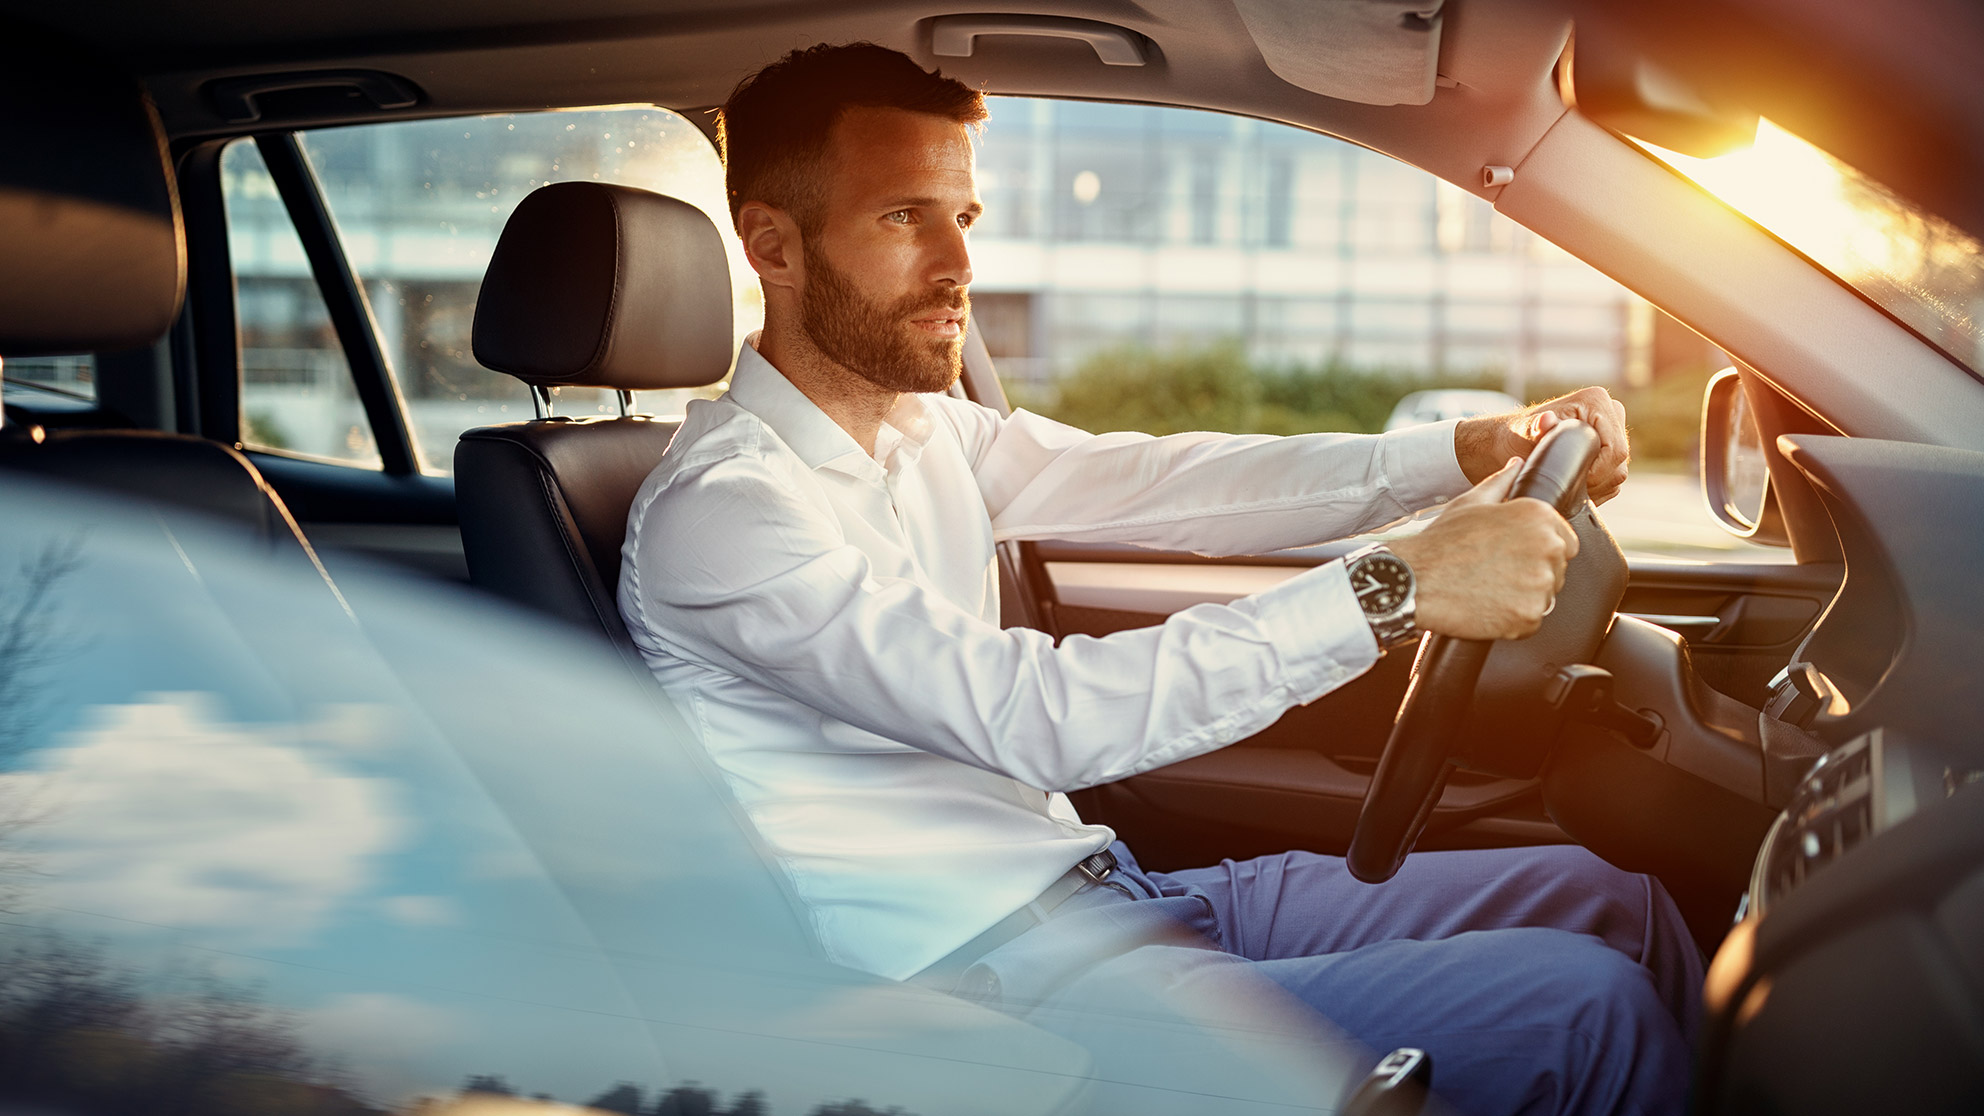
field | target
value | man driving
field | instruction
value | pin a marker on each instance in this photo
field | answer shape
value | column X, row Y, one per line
column 810, row 572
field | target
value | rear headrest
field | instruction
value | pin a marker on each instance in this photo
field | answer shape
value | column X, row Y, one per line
column 92, row 255
column 594, row 285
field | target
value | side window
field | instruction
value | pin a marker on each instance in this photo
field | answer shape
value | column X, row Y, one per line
column 1168, row 269
column 296, row 390
column 53, row 382
column 419, row 206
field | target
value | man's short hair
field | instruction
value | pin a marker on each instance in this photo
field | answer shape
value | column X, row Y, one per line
column 773, row 131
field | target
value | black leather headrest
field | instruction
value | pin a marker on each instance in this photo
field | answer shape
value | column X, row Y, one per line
column 594, row 285
column 92, row 254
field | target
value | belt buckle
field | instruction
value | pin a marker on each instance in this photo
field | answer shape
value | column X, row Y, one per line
column 1098, row 867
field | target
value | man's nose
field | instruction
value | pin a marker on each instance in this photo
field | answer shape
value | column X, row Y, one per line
column 952, row 258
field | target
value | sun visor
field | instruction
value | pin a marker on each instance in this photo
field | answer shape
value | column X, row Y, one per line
column 1374, row 52
column 95, row 257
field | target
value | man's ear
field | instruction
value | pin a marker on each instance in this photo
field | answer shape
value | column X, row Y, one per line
column 772, row 245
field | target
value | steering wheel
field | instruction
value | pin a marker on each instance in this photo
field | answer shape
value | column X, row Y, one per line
column 1419, row 755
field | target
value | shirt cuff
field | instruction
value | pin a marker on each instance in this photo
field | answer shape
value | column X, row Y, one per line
column 1421, row 468
column 1317, row 628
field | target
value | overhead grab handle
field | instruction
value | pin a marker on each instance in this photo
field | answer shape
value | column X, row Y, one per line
column 955, row 36
column 239, row 100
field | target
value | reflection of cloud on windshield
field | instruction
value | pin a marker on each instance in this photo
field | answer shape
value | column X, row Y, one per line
column 420, row 910
column 387, row 1035
column 353, row 727
column 160, row 812
column 507, row 862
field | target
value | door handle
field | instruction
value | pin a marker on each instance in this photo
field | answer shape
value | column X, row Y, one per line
column 1686, row 624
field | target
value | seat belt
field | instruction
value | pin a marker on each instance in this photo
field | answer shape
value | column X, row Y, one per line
column 1019, row 607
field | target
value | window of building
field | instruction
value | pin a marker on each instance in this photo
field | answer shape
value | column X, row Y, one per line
column 1205, row 196
column 1279, row 215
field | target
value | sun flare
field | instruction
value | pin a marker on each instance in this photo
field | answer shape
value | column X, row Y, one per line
column 1804, row 196
column 1922, row 269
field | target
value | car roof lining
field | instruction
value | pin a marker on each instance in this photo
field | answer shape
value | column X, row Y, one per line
column 472, row 57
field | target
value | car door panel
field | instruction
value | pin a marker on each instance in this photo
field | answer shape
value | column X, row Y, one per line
column 407, row 519
column 1157, row 588
column 1301, row 781
column 1742, row 621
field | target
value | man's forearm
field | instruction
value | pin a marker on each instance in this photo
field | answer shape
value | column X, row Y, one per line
column 1213, row 493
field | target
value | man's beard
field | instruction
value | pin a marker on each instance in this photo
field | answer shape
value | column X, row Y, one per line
column 869, row 339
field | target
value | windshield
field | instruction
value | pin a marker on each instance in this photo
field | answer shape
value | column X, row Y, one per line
column 1917, row 267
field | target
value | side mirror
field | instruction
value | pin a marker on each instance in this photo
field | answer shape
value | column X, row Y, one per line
column 1735, row 464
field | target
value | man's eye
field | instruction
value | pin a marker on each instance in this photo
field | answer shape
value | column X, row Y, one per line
column 899, row 217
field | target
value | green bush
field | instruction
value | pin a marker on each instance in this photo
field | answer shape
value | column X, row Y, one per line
column 1216, row 387
column 1665, row 417
column 1161, row 393
column 260, row 429
column 1338, row 396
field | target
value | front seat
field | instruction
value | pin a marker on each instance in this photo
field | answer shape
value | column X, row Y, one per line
column 591, row 285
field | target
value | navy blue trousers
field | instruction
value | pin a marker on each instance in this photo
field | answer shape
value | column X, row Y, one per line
column 1541, row 980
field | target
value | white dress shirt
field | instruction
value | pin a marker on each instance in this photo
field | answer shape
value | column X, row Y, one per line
column 829, row 623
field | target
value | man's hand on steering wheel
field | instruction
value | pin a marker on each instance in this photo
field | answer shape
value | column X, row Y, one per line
column 1488, row 567
column 1483, row 444
column 1484, row 571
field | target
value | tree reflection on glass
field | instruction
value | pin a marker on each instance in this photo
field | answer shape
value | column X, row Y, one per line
column 80, row 1034
column 625, row 1097
column 29, row 646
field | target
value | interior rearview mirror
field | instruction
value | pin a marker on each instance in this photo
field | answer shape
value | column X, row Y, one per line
column 1735, row 464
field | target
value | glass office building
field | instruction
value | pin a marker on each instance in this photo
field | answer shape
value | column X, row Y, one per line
column 1108, row 224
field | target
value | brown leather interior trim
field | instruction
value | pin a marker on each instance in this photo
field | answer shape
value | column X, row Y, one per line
column 1158, row 587
column 1057, row 550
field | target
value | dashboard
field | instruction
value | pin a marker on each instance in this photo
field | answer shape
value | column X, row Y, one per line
column 1894, row 648
column 1855, row 981
column 1863, row 788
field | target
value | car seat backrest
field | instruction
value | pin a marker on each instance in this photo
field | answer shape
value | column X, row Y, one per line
column 93, row 259
column 543, row 509
column 591, row 285
column 167, row 470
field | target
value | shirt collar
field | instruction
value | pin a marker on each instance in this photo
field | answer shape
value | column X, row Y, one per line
column 819, row 441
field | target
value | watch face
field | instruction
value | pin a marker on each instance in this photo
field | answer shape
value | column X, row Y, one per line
column 1382, row 583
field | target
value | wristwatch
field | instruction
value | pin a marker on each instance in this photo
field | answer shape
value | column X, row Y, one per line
column 1384, row 587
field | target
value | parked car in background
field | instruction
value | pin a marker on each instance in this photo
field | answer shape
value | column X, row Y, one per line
column 1449, row 403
